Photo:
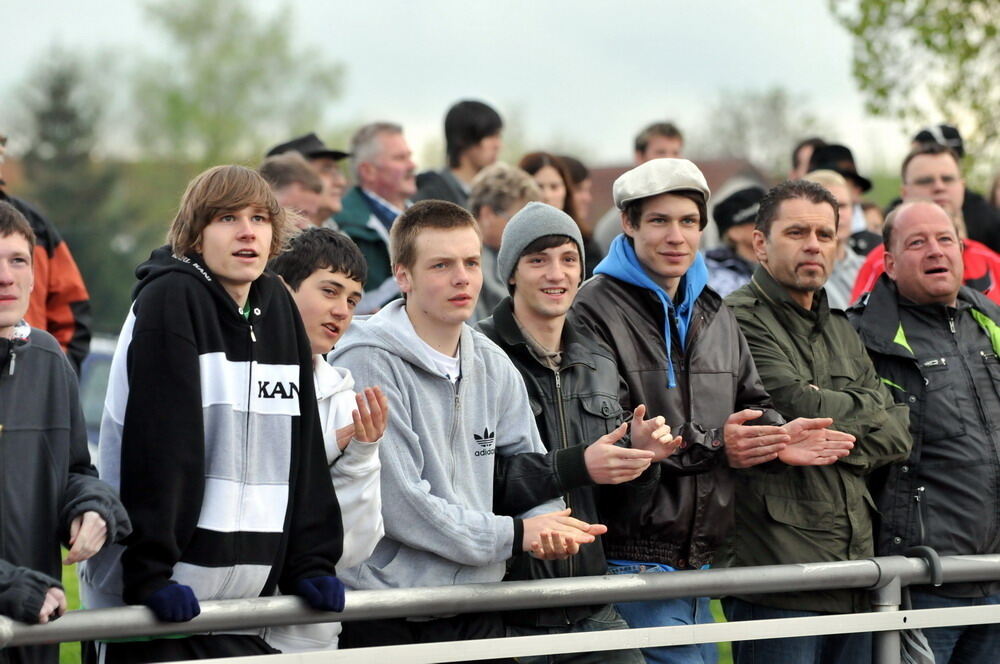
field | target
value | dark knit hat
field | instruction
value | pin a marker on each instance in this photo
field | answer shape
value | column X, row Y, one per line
column 533, row 221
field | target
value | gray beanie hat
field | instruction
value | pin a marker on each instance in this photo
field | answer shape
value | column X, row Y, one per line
column 533, row 221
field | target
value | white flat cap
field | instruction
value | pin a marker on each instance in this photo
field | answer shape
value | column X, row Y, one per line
column 659, row 176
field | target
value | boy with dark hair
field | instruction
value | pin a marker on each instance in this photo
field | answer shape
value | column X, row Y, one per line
column 572, row 383
column 472, row 139
column 460, row 403
column 210, row 430
column 325, row 272
column 50, row 491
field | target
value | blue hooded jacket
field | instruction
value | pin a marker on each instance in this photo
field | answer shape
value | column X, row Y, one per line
column 622, row 263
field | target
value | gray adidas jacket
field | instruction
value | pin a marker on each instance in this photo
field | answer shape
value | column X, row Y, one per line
column 437, row 454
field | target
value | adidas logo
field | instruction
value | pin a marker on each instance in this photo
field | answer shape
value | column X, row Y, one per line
column 485, row 442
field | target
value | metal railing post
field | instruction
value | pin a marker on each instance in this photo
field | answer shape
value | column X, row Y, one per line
column 886, row 645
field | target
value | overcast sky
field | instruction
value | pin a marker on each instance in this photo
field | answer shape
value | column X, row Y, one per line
column 587, row 73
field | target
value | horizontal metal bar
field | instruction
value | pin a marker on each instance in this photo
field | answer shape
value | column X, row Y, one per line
column 124, row 622
column 643, row 638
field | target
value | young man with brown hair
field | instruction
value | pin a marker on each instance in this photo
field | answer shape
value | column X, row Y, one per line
column 210, row 430
column 457, row 402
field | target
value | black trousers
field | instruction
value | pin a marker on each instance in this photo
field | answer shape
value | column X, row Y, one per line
column 191, row 647
column 399, row 631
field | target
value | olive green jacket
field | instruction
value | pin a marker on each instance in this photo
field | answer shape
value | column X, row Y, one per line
column 813, row 364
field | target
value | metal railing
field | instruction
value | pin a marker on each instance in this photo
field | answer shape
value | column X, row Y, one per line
column 884, row 577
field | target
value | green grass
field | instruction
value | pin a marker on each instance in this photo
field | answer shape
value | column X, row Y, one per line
column 69, row 653
column 725, row 648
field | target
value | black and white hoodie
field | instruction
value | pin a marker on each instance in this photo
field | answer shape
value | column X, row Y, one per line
column 210, row 434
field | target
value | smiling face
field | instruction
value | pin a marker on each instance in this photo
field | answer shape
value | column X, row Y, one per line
column 236, row 246
column 326, row 302
column 925, row 255
column 801, row 248
column 443, row 284
column 545, row 282
column 16, row 281
column 666, row 241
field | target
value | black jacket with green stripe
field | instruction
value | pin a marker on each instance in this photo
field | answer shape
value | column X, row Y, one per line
column 941, row 362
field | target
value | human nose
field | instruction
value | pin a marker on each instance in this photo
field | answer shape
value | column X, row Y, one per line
column 6, row 274
column 812, row 243
column 245, row 227
column 674, row 235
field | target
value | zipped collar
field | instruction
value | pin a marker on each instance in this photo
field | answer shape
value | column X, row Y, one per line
column 573, row 351
column 786, row 308
column 880, row 328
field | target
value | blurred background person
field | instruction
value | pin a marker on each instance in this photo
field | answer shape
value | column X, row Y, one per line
column 846, row 262
column 472, row 140
column 583, row 196
column 498, row 192
column 328, row 164
column 298, row 187
column 982, row 223
column 801, row 155
column 731, row 265
column 555, row 184
column 59, row 303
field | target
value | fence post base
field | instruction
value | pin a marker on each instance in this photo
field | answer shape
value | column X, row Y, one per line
column 886, row 645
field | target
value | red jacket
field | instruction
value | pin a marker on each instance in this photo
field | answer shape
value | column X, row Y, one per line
column 59, row 302
column 982, row 270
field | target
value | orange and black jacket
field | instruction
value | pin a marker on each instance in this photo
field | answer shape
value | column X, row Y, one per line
column 59, row 303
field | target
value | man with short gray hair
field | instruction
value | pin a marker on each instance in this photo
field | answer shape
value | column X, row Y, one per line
column 385, row 179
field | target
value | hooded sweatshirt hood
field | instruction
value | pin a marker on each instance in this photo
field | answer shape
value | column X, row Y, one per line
column 622, row 263
column 163, row 261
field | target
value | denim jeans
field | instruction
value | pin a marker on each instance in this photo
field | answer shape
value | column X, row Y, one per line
column 606, row 618
column 821, row 649
column 962, row 644
column 666, row 612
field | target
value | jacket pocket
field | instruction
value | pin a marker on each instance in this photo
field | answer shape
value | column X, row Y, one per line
column 992, row 364
column 942, row 417
column 603, row 409
column 802, row 514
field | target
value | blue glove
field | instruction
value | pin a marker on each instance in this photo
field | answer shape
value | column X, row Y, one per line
column 325, row 593
column 174, row 603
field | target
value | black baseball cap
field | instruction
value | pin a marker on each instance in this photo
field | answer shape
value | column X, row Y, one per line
column 310, row 147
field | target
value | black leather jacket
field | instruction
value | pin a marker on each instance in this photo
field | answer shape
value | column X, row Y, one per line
column 572, row 407
column 691, row 511
column 941, row 363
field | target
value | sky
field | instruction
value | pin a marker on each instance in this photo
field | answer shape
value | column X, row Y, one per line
column 586, row 74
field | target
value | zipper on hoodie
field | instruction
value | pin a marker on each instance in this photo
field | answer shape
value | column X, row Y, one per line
column 246, row 444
